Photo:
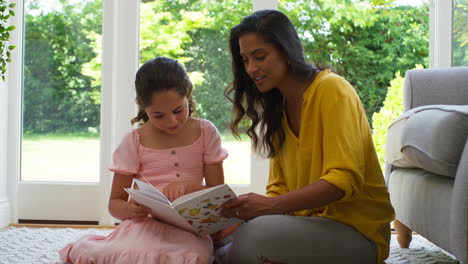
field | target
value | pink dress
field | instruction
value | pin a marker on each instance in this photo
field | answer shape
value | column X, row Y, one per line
column 151, row 241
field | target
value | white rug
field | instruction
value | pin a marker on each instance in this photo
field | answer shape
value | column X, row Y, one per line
column 421, row 251
column 40, row 245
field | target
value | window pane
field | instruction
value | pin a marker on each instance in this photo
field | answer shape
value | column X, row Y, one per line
column 460, row 33
column 196, row 34
column 61, row 90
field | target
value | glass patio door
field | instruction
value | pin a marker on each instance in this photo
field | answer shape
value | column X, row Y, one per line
column 59, row 179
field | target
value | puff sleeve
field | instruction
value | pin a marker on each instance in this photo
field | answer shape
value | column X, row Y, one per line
column 213, row 152
column 125, row 158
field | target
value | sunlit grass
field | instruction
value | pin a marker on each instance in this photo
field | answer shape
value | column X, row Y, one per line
column 76, row 158
column 61, row 136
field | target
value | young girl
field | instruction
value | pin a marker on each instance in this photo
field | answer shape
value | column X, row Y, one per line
column 171, row 150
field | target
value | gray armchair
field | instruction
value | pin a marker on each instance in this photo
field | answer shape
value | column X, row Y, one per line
column 427, row 160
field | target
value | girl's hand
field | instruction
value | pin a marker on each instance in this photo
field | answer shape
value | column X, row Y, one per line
column 248, row 206
column 175, row 190
column 137, row 211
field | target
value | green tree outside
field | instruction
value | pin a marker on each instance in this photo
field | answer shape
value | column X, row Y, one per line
column 460, row 33
column 58, row 95
column 364, row 44
column 364, row 41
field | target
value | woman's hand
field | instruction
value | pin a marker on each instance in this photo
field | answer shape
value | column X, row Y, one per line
column 175, row 190
column 137, row 211
column 225, row 232
column 249, row 206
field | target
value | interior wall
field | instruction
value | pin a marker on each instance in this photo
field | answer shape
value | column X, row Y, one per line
column 4, row 201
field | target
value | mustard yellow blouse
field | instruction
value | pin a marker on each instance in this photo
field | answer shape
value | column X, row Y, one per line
column 335, row 144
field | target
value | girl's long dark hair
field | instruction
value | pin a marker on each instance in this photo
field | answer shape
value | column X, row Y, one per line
column 158, row 75
column 264, row 109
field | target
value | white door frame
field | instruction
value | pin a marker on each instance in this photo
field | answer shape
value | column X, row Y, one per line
column 120, row 63
column 440, row 33
column 14, row 81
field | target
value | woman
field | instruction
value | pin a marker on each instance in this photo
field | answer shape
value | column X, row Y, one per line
column 326, row 200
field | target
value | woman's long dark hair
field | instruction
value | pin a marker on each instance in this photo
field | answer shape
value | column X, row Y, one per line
column 264, row 109
column 158, row 75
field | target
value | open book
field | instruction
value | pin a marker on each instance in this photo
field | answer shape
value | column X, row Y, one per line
column 197, row 212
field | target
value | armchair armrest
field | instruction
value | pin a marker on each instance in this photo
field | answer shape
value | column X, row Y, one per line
column 459, row 210
column 429, row 137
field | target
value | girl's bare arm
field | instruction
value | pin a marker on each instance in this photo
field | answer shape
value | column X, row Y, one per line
column 214, row 175
column 119, row 206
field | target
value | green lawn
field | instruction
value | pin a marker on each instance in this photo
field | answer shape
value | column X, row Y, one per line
column 75, row 158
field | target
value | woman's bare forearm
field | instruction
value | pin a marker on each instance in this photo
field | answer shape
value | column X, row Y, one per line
column 312, row 196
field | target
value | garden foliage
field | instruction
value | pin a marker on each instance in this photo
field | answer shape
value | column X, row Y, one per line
column 6, row 11
column 392, row 108
column 364, row 41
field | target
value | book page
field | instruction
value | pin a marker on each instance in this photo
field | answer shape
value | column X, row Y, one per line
column 160, row 211
column 153, row 196
column 152, row 191
column 202, row 209
column 189, row 196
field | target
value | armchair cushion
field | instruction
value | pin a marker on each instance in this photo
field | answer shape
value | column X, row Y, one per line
column 393, row 154
column 429, row 137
